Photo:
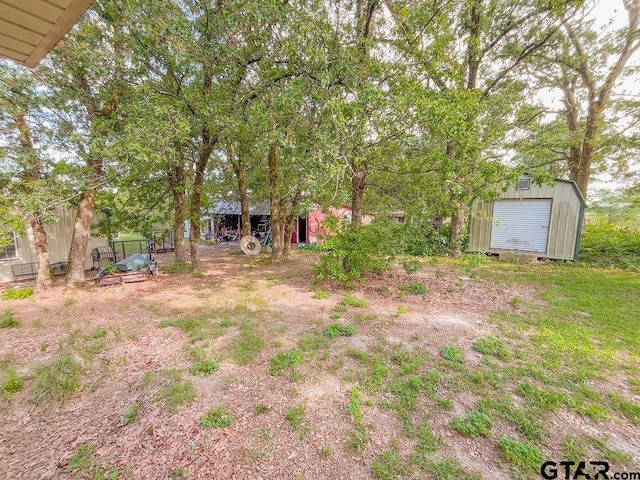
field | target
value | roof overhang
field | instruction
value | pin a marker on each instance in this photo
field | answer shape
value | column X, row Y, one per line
column 29, row 29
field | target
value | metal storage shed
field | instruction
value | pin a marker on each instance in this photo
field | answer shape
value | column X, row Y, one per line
column 541, row 220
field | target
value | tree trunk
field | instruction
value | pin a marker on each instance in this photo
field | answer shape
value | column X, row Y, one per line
column 581, row 172
column 176, row 180
column 290, row 225
column 43, row 280
column 194, row 215
column 240, row 168
column 357, row 194
column 80, row 238
column 457, row 223
column 277, row 246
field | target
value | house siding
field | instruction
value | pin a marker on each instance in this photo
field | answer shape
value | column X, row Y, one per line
column 59, row 238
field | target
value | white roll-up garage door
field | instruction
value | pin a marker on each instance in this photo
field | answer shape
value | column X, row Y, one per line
column 521, row 225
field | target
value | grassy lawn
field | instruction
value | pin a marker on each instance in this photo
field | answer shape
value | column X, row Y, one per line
column 551, row 373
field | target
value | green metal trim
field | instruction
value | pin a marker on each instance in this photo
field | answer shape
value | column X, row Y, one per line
column 579, row 232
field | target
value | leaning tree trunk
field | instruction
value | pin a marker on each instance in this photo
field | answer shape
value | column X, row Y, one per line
column 277, row 244
column 43, row 280
column 80, row 238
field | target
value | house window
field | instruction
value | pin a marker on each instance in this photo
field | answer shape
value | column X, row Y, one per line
column 10, row 249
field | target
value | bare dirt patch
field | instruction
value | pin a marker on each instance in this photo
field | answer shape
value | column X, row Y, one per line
column 276, row 301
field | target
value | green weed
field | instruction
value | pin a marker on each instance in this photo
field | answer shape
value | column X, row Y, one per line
column 390, row 464
column 261, row 408
column 175, row 392
column 415, row 288
column 321, row 295
column 12, row 383
column 354, row 302
column 177, row 268
column 453, row 354
column 295, row 417
column 493, row 346
column 450, row 469
column 335, row 330
column 99, row 333
column 204, row 367
column 7, row 320
column 131, row 414
column 411, row 266
column 284, row 361
column 217, row 417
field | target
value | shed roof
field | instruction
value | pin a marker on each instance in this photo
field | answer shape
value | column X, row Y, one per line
column 29, row 29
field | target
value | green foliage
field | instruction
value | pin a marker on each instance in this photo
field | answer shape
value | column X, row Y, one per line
column 261, row 408
column 217, row 417
column 610, row 246
column 492, row 346
column 284, row 360
column 473, row 425
column 131, row 414
column 7, row 320
column 57, row 380
column 336, row 329
column 12, row 383
column 84, row 459
column 110, row 268
column 453, row 354
column 321, row 295
column 17, row 293
column 450, row 469
column 204, row 367
column 522, row 455
column 352, row 254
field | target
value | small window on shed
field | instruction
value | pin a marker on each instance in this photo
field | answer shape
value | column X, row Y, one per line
column 524, row 183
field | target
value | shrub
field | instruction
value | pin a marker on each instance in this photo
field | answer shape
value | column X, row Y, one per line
column 610, row 246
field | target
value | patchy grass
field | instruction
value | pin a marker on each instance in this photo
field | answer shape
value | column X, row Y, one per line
column 295, row 417
column 249, row 345
column 217, row 417
column 523, row 456
column 321, row 295
column 173, row 391
column 414, row 288
column 56, row 381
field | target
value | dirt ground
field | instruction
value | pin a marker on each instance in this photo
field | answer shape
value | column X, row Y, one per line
column 38, row 441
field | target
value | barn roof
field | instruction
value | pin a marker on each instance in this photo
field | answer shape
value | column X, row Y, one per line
column 29, row 29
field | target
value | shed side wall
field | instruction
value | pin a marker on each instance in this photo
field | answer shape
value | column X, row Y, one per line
column 563, row 228
column 480, row 227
